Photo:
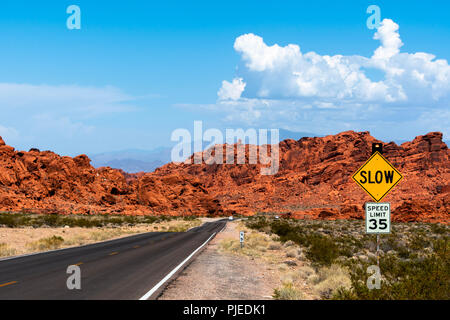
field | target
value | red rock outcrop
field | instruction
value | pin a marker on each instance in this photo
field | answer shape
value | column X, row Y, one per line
column 313, row 181
column 37, row 181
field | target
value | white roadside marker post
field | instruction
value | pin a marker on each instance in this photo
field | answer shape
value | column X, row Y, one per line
column 241, row 238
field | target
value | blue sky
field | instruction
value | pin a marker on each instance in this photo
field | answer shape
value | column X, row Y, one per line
column 137, row 70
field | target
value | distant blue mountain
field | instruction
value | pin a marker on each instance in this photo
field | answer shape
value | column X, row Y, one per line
column 286, row 134
column 133, row 165
column 132, row 160
column 399, row 142
column 136, row 160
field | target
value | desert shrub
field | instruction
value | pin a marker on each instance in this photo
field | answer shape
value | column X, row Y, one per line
column 50, row 243
column 348, row 245
column 180, row 228
column 291, row 253
column 306, row 272
column 289, row 243
column 322, row 251
column 6, row 250
column 230, row 245
column 7, row 220
column 256, row 239
column 287, row 292
column 259, row 223
column 12, row 220
column 15, row 220
column 329, row 280
column 423, row 279
column 288, row 232
column 275, row 246
column 315, row 226
column 439, row 228
column 392, row 242
column 50, row 220
column 105, row 234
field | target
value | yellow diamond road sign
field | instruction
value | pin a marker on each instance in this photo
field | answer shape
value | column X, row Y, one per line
column 377, row 177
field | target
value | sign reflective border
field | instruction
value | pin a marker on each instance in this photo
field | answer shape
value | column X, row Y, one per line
column 378, row 217
column 377, row 177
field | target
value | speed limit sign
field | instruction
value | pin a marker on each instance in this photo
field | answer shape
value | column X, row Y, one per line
column 378, row 217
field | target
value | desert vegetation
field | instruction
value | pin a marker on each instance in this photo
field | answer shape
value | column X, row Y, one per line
column 14, row 220
column 26, row 233
column 414, row 258
column 299, row 279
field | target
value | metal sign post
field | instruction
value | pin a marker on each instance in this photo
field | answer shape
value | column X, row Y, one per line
column 377, row 177
column 378, row 221
column 378, row 249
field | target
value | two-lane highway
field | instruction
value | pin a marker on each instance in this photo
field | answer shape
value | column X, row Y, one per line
column 135, row 267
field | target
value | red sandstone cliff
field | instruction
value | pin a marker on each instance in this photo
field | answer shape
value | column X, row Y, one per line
column 314, row 181
column 37, row 181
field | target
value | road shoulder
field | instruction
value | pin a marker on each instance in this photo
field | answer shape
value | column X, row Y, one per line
column 219, row 275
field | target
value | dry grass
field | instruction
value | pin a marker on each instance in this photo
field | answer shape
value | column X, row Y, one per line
column 256, row 245
column 219, row 275
column 17, row 241
column 6, row 250
column 298, row 278
column 288, row 292
column 286, row 259
column 328, row 280
column 292, row 253
column 44, row 244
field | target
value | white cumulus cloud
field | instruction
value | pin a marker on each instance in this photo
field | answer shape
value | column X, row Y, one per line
column 284, row 83
column 390, row 40
column 231, row 91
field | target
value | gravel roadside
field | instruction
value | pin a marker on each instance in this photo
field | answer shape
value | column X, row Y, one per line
column 215, row 275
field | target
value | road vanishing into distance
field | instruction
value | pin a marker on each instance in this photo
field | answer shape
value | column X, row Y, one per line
column 131, row 268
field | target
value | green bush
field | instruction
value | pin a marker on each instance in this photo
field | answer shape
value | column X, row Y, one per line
column 322, row 251
column 439, row 228
column 422, row 279
column 258, row 224
column 415, row 263
column 16, row 220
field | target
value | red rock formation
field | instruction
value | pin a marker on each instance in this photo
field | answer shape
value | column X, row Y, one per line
column 313, row 181
column 37, row 181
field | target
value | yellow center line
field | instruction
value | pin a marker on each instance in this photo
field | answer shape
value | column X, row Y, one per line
column 79, row 264
column 113, row 253
column 7, row 284
column 136, row 247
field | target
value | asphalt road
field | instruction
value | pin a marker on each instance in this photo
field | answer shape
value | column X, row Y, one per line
column 122, row 269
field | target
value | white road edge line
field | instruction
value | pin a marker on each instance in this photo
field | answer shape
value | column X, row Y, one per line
column 159, row 284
